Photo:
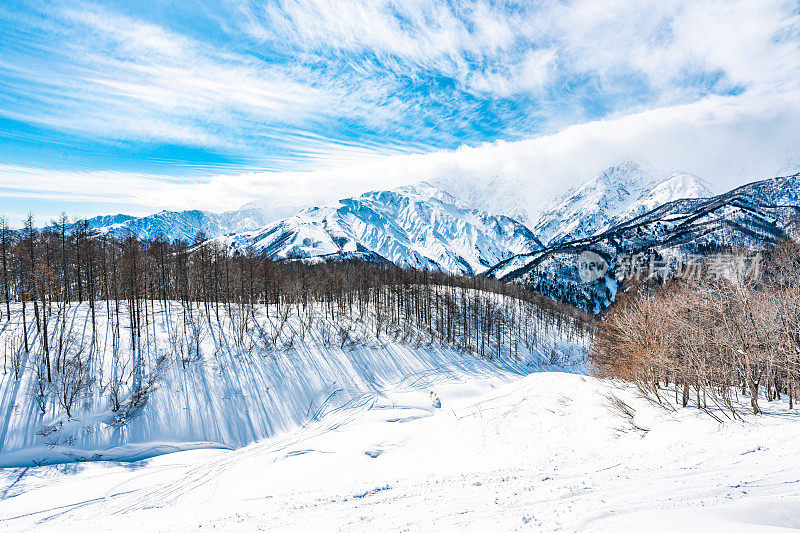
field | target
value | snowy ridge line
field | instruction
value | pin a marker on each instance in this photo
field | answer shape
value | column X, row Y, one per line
column 184, row 225
column 413, row 226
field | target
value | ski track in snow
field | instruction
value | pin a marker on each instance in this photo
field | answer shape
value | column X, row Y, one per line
column 546, row 451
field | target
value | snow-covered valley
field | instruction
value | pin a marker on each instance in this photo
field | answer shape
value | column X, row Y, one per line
column 546, row 451
column 377, row 434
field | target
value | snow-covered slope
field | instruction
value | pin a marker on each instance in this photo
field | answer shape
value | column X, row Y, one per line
column 617, row 194
column 415, row 226
column 676, row 186
column 546, row 452
column 224, row 378
column 171, row 225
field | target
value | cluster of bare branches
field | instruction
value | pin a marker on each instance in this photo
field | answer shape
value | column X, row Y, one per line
column 711, row 337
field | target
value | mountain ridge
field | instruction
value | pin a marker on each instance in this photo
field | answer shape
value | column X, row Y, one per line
column 417, row 226
column 754, row 215
column 613, row 195
column 184, row 225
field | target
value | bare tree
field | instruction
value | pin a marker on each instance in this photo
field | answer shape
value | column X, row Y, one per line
column 73, row 380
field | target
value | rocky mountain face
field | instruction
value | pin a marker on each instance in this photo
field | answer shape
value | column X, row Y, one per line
column 415, row 226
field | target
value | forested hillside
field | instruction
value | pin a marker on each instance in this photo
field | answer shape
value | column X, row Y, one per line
column 121, row 348
column 725, row 329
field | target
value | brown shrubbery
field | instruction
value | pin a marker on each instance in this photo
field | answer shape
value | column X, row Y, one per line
column 711, row 337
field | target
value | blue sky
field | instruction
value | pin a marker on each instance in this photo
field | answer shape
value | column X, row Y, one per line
column 138, row 106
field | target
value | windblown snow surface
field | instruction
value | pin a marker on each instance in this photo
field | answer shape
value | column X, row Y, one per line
column 321, row 438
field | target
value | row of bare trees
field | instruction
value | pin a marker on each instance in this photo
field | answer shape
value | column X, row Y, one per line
column 66, row 263
column 712, row 337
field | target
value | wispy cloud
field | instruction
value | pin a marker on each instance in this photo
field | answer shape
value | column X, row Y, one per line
column 191, row 89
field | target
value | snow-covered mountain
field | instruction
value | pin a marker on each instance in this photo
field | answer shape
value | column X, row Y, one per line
column 583, row 212
column 415, row 226
column 494, row 194
column 676, row 186
column 754, row 216
column 186, row 225
column 617, row 194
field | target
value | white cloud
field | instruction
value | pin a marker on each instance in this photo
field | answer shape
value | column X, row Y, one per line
column 529, row 75
column 346, row 93
column 121, row 77
column 748, row 41
column 726, row 140
column 753, row 43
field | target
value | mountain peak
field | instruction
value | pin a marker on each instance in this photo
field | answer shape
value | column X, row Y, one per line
column 675, row 186
column 580, row 213
column 690, row 184
column 620, row 192
column 626, row 171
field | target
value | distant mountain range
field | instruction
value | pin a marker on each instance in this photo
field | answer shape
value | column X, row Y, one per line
column 188, row 225
column 480, row 226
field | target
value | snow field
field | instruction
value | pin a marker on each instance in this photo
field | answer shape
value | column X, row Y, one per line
column 549, row 451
